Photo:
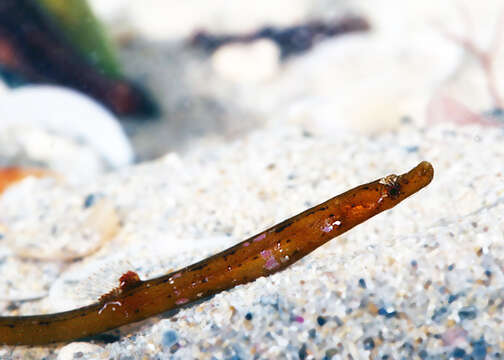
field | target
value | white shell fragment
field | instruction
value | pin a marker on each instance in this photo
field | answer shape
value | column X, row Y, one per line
column 44, row 220
column 67, row 113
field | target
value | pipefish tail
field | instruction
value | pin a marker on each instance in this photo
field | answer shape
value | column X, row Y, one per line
column 261, row 255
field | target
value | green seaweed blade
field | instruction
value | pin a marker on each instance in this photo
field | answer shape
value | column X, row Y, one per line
column 84, row 31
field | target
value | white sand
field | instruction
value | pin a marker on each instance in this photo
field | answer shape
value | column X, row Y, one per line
column 422, row 264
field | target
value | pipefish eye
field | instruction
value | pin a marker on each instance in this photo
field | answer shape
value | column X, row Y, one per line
column 394, row 188
column 392, row 184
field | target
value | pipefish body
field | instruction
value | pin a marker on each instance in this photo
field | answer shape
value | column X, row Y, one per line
column 261, row 255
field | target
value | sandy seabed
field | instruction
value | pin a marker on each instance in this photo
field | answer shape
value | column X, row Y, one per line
column 422, row 280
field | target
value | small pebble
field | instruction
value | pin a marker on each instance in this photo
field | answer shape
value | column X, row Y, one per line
column 302, row 352
column 89, row 201
column 452, row 298
column 330, row 353
column 407, row 348
column 169, row 338
column 423, row 354
column 439, row 314
column 338, row 321
column 362, row 283
column 369, row 343
column 298, row 319
column 467, row 313
column 411, row 149
column 321, row 320
column 387, row 313
column 174, row 348
column 479, row 349
column 458, row 353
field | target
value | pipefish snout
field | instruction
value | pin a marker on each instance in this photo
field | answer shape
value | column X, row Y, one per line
column 261, row 255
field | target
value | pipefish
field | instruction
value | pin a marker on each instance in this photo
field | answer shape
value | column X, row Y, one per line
column 261, row 255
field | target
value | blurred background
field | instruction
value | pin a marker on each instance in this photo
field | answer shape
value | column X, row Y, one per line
column 92, row 86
